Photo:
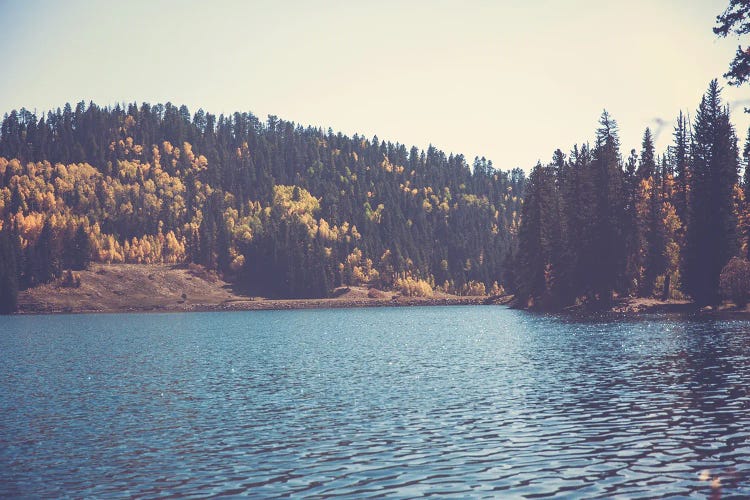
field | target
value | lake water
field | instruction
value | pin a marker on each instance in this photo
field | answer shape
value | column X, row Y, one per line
column 436, row 401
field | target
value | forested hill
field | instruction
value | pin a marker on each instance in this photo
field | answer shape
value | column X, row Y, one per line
column 284, row 210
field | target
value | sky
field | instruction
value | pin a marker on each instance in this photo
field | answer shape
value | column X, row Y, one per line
column 507, row 80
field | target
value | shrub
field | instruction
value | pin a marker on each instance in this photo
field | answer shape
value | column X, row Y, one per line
column 413, row 287
column 735, row 281
column 474, row 288
column 497, row 289
column 71, row 279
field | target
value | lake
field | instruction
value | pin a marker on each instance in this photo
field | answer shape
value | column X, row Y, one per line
column 472, row 402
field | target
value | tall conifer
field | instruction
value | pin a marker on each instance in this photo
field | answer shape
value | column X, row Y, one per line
column 711, row 238
column 680, row 160
column 607, row 267
column 8, row 273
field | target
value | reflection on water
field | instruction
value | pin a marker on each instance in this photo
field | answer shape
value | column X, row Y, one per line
column 464, row 401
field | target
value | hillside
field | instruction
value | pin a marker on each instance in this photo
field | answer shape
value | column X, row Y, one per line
column 279, row 209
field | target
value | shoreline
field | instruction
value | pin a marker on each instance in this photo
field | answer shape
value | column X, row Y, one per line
column 274, row 305
column 634, row 307
column 155, row 288
column 141, row 288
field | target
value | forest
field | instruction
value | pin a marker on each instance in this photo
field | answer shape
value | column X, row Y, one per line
column 279, row 209
column 673, row 226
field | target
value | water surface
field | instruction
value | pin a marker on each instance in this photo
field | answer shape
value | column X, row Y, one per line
column 434, row 401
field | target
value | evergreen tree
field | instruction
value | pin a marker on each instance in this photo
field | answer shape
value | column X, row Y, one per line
column 647, row 166
column 655, row 261
column 631, row 227
column 680, row 160
column 651, row 232
column 8, row 273
column 562, row 257
column 577, row 195
column 538, row 236
column 43, row 258
column 81, row 249
column 207, row 234
column 711, row 238
column 736, row 19
column 607, row 265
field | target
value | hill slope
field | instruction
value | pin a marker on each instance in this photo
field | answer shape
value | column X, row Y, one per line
column 284, row 210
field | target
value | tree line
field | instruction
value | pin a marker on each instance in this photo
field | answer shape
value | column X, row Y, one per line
column 289, row 211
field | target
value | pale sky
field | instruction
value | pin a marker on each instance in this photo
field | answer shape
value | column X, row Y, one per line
column 508, row 80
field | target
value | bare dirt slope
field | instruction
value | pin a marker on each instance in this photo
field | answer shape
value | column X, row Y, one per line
column 157, row 287
column 125, row 287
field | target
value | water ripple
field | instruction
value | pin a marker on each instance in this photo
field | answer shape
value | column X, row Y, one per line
column 465, row 401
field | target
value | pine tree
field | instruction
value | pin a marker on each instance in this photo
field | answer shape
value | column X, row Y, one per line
column 81, row 249
column 655, row 258
column 577, row 194
column 711, row 238
column 736, row 19
column 538, row 235
column 651, row 220
column 647, row 166
column 631, row 233
column 8, row 273
column 607, row 266
column 45, row 259
column 680, row 161
column 563, row 256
